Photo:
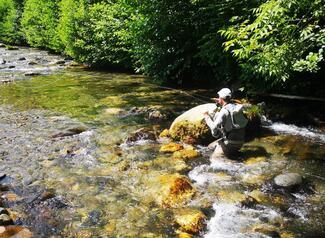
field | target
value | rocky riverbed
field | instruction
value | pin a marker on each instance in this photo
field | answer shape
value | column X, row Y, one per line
column 81, row 156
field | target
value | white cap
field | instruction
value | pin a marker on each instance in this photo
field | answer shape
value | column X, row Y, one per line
column 224, row 93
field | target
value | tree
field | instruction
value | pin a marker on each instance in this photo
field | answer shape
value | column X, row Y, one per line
column 39, row 23
column 9, row 22
column 278, row 38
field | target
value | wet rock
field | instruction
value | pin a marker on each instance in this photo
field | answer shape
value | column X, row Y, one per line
column 255, row 160
column 11, row 67
column 156, row 116
column 142, row 134
column 22, row 59
column 190, row 220
column 231, row 196
column 266, row 229
column 164, row 134
column 254, row 179
column 2, row 45
column 11, row 197
column 173, row 190
column 288, row 180
column 182, row 234
column 47, row 195
column 249, row 202
column 259, row 196
column 3, row 211
column 32, row 74
column 186, row 154
column 15, row 232
column 32, row 63
column 171, row 147
column 71, row 131
column 5, row 220
column 2, row 61
column 4, row 188
column 60, row 62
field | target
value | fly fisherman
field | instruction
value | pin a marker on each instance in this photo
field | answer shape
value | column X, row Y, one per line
column 228, row 125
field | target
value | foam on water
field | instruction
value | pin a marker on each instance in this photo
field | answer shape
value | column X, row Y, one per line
column 231, row 221
column 300, row 131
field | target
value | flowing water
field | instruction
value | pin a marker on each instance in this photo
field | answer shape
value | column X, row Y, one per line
column 70, row 174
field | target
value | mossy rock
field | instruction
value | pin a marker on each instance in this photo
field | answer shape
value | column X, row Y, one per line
column 255, row 160
column 174, row 190
column 186, row 154
column 190, row 126
column 190, row 220
column 191, row 132
column 171, row 147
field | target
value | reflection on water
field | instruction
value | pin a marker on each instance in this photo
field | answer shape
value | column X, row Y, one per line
column 106, row 188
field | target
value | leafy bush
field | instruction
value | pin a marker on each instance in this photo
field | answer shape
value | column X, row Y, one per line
column 281, row 36
column 9, row 22
column 39, row 24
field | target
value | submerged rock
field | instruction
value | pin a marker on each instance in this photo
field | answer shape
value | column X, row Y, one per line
column 171, row 147
column 174, row 190
column 190, row 220
column 142, row 134
column 186, row 154
column 15, row 231
column 266, row 229
column 288, row 180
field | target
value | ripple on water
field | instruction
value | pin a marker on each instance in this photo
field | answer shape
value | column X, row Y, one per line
column 310, row 133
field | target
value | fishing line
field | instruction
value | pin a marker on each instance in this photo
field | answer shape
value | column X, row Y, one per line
column 198, row 97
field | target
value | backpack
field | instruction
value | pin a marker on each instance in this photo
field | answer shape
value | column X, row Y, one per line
column 237, row 116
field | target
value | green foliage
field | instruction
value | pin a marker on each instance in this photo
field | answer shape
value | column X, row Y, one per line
column 100, row 38
column 179, row 42
column 39, row 23
column 9, row 17
column 278, row 38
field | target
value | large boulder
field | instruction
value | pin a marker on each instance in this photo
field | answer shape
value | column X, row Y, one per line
column 191, row 127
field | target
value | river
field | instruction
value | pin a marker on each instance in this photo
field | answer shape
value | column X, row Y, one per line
column 69, row 172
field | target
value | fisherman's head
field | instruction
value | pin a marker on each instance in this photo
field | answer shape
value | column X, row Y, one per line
column 224, row 96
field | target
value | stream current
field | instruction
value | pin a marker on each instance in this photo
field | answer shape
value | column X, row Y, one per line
column 70, row 174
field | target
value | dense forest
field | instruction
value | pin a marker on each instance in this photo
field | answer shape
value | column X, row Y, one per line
column 275, row 45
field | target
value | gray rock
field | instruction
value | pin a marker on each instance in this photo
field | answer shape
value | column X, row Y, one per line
column 195, row 114
column 288, row 180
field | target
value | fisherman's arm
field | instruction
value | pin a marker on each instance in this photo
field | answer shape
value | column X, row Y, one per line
column 217, row 122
